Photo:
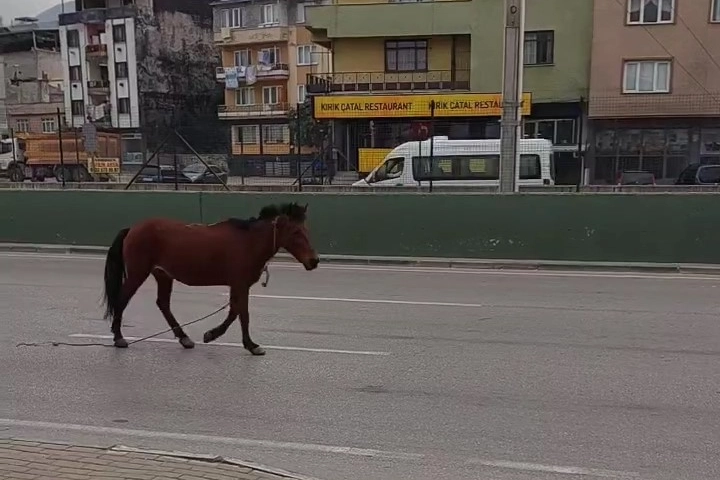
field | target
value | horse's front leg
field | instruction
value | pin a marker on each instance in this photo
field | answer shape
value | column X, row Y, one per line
column 242, row 306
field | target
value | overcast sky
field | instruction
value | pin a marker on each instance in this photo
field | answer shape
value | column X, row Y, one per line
column 10, row 9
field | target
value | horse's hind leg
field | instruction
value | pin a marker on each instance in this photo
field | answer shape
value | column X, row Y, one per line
column 130, row 287
column 165, row 283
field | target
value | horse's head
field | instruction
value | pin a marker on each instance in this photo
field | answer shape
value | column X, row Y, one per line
column 292, row 235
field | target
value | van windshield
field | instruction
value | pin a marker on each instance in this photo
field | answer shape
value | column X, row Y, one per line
column 392, row 168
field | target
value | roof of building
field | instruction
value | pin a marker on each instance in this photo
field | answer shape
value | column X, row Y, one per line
column 26, row 36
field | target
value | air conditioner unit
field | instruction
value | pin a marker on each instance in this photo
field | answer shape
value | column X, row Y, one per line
column 225, row 32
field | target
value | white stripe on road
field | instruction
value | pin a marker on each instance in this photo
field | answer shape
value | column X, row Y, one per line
column 190, row 437
column 369, row 301
column 309, row 447
column 228, row 344
column 564, row 470
column 425, row 270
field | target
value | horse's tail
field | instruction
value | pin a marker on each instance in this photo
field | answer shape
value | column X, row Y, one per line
column 114, row 274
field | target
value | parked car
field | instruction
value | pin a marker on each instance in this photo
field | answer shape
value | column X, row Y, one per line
column 161, row 174
column 199, row 173
column 636, row 177
column 697, row 174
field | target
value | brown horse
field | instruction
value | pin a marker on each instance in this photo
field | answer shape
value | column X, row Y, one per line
column 233, row 252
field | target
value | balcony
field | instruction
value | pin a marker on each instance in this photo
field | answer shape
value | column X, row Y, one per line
column 249, row 36
column 253, row 111
column 390, row 19
column 97, row 50
column 97, row 15
column 278, row 71
column 96, row 87
column 384, row 82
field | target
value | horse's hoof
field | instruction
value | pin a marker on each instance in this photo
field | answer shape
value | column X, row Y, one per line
column 257, row 350
column 187, row 342
column 120, row 343
column 208, row 337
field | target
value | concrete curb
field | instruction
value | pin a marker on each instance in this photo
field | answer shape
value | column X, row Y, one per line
column 214, row 459
column 175, row 454
column 427, row 262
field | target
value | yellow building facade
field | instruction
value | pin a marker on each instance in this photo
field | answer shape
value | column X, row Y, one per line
column 267, row 55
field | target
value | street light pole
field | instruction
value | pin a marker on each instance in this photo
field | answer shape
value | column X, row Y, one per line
column 511, row 122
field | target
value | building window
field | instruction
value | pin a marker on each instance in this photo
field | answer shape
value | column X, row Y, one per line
column 124, row 106
column 245, row 96
column 305, row 55
column 75, row 74
column 406, row 55
column 48, row 125
column 73, row 38
column 78, row 108
column 300, row 16
column 559, row 131
column 301, row 94
column 242, row 58
column 237, row 17
column 651, row 11
column 22, row 125
column 275, row 134
column 715, row 15
column 121, row 70
column 649, row 76
column 268, row 14
column 118, row 33
column 539, row 48
column 269, row 56
column 271, row 95
column 246, row 134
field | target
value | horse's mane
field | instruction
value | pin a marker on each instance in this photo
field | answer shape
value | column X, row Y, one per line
column 293, row 211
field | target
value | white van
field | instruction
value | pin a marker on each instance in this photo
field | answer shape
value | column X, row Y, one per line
column 460, row 163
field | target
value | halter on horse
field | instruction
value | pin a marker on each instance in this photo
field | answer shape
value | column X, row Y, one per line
column 233, row 252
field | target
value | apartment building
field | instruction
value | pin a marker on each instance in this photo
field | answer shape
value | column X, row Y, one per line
column 404, row 54
column 30, row 78
column 655, row 87
column 139, row 67
column 267, row 55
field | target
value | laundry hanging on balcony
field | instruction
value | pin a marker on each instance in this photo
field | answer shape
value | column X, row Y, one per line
column 250, row 75
column 231, row 77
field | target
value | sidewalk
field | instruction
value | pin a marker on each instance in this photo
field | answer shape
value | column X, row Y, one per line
column 30, row 460
column 427, row 262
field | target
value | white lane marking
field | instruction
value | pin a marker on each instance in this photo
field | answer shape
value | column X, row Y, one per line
column 539, row 467
column 228, row 344
column 369, row 300
column 305, row 447
column 424, row 270
column 190, row 437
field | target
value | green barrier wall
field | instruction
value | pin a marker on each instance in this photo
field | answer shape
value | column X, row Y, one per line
column 640, row 228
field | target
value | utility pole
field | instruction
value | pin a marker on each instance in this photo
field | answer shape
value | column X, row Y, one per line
column 511, row 122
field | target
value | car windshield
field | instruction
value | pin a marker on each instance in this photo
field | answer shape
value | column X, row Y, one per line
column 709, row 174
column 392, row 168
column 194, row 168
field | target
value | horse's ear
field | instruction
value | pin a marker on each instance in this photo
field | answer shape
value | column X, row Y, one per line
column 305, row 208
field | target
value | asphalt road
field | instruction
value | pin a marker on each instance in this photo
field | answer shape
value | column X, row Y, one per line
column 384, row 373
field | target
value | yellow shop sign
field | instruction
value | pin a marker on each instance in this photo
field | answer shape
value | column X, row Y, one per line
column 403, row 106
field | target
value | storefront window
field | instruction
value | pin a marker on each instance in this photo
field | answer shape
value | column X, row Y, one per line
column 565, row 134
column 662, row 152
column 678, row 140
column 558, row 131
column 605, row 142
column 710, row 141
